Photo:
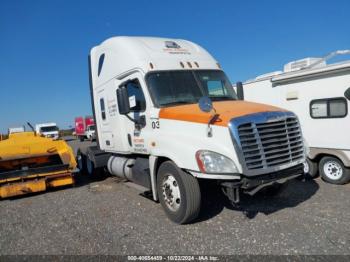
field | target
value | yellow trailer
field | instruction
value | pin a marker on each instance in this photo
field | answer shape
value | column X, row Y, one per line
column 31, row 163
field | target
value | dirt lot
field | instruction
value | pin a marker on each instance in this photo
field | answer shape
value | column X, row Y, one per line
column 110, row 217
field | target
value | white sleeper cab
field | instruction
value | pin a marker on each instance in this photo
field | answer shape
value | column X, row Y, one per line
column 167, row 116
column 319, row 94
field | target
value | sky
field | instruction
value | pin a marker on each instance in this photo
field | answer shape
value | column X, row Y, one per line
column 44, row 44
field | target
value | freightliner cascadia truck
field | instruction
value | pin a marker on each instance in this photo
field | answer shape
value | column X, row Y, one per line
column 167, row 117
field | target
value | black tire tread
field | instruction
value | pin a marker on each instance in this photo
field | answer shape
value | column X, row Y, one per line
column 313, row 166
column 194, row 200
column 96, row 171
column 83, row 156
column 192, row 192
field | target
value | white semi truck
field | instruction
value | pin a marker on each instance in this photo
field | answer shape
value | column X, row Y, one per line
column 167, row 116
column 319, row 93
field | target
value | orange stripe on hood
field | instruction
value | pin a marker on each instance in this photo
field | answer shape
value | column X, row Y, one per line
column 226, row 110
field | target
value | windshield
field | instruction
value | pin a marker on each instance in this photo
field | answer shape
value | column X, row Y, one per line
column 91, row 128
column 48, row 129
column 187, row 87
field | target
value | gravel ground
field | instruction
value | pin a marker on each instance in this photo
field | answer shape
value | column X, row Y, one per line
column 111, row 217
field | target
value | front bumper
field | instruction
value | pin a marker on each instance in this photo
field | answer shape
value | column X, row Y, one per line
column 253, row 184
column 21, row 185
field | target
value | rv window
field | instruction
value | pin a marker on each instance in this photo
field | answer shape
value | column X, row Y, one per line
column 337, row 108
column 328, row 108
column 137, row 99
column 103, row 110
column 319, row 109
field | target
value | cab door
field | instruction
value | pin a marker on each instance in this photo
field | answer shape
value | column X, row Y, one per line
column 137, row 126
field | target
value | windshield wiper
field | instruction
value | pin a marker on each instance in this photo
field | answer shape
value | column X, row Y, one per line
column 223, row 98
column 179, row 103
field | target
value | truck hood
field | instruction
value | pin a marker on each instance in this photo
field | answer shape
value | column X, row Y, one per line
column 227, row 110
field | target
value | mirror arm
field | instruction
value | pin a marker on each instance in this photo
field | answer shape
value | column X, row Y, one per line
column 138, row 123
column 211, row 121
column 131, row 119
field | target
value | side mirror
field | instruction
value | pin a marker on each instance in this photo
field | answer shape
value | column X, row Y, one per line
column 347, row 93
column 205, row 104
column 123, row 101
column 240, row 92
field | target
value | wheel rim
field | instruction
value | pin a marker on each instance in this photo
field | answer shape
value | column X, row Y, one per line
column 171, row 192
column 80, row 162
column 333, row 170
column 89, row 166
column 306, row 167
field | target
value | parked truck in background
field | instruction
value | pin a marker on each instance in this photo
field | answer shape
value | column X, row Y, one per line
column 85, row 128
column 167, row 116
column 49, row 130
column 319, row 94
column 13, row 130
column 31, row 163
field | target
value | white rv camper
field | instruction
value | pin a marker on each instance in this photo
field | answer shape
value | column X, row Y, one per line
column 319, row 94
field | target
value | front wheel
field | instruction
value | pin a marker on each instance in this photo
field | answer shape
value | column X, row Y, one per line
column 310, row 169
column 179, row 193
column 333, row 171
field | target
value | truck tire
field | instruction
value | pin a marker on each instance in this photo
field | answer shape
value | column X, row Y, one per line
column 333, row 171
column 81, row 138
column 81, row 161
column 179, row 193
column 91, row 170
column 310, row 169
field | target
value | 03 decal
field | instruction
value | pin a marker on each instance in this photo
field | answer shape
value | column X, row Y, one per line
column 155, row 123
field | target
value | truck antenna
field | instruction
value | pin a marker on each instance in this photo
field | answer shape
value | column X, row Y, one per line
column 31, row 127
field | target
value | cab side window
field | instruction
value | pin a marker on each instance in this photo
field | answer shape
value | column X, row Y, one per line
column 137, row 99
column 103, row 110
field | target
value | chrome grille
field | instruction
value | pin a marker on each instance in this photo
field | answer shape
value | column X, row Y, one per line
column 270, row 144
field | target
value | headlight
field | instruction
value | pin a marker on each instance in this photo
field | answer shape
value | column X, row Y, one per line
column 211, row 162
